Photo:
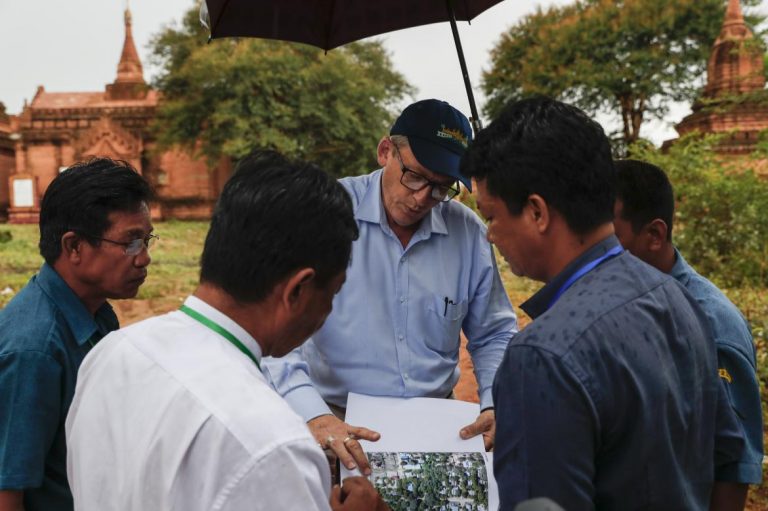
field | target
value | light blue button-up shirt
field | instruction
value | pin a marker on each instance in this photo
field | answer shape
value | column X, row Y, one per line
column 394, row 329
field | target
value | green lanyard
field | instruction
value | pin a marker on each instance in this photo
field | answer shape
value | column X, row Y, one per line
column 221, row 331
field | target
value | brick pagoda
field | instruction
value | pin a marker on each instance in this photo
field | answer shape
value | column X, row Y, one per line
column 58, row 129
column 733, row 102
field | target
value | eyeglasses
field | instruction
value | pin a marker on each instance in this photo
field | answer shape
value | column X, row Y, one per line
column 416, row 182
column 133, row 247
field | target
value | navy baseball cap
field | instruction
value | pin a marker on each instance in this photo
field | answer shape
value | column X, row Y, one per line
column 438, row 135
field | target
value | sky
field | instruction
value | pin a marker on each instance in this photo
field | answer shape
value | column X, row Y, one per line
column 74, row 45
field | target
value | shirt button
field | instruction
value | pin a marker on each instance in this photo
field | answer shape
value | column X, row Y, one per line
column 405, row 376
column 403, row 259
column 402, row 299
column 400, row 337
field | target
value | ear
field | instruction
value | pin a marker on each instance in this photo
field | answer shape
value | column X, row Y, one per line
column 71, row 246
column 656, row 234
column 383, row 151
column 539, row 212
column 295, row 291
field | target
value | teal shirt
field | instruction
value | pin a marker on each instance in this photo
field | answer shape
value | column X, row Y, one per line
column 45, row 332
column 736, row 363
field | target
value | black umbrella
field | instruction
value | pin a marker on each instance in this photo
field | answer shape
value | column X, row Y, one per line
column 328, row 24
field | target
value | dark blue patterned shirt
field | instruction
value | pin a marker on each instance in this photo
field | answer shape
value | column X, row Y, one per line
column 611, row 399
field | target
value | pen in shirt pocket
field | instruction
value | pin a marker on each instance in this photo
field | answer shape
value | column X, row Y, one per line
column 447, row 301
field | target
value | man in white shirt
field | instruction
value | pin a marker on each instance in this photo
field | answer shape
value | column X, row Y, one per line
column 174, row 412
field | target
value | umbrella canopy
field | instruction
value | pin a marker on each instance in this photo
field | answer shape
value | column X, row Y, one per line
column 328, row 24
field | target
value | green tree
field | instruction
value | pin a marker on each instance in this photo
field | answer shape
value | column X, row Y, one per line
column 225, row 98
column 631, row 58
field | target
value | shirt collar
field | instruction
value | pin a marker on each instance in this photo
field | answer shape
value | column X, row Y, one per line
column 81, row 323
column 681, row 269
column 225, row 322
column 371, row 209
column 538, row 304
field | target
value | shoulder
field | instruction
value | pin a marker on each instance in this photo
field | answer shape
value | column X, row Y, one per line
column 725, row 320
column 357, row 186
column 460, row 217
column 618, row 295
column 31, row 322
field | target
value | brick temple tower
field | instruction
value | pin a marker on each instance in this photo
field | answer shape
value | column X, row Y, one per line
column 733, row 101
column 58, row 129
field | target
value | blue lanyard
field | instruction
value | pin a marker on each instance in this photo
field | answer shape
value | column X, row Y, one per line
column 618, row 249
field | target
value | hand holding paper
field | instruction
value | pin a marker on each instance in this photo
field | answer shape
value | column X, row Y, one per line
column 485, row 425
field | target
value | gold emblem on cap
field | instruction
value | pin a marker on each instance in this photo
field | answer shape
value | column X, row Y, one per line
column 452, row 134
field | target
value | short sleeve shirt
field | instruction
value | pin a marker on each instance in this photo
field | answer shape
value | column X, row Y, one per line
column 736, row 367
column 45, row 332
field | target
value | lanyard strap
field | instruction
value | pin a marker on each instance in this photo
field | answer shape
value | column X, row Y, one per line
column 219, row 330
column 618, row 249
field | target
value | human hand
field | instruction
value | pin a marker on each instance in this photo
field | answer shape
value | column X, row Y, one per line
column 335, row 434
column 485, row 424
column 356, row 493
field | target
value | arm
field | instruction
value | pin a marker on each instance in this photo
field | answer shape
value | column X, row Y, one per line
column 546, row 427
column 290, row 377
column 737, row 374
column 30, row 414
column 728, row 496
column 11, row 500
column 489, row 325
column 490, row 322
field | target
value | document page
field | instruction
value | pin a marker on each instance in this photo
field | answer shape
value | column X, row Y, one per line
column 420, row 462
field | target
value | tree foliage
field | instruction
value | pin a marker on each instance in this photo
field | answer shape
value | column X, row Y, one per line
column 628, row 57
column 228, row 97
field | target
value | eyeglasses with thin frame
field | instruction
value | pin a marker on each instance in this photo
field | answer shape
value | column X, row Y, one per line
column 133, row 247
column 416, row 182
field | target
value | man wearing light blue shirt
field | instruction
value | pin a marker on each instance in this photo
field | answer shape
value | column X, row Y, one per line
column 421, row 272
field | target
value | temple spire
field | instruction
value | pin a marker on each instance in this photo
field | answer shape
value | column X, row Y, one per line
column 736, row 63
column 733, row 14
column 129, row 69
column 130, row 82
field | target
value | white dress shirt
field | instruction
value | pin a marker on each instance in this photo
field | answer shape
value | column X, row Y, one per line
column 168, row 414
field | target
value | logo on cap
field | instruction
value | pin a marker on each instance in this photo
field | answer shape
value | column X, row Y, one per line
column 453, row 134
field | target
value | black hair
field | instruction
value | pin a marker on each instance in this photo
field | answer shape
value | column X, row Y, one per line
column 645, row 193
column 81, row 198
column 274, row 217
column 545, row 147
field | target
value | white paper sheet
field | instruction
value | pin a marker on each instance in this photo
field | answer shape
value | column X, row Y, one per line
column 418, row 425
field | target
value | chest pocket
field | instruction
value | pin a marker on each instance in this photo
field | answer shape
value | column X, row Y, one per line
column 443, row 323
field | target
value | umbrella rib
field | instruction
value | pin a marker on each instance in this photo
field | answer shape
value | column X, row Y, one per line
column 329, row 25
column 218, row 18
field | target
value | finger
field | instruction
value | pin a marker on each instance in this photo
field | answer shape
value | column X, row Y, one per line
column 488, row 441
column 358, row 454
column 364, row 433
column 472, row 430
column 345, row 457
column 335, row 494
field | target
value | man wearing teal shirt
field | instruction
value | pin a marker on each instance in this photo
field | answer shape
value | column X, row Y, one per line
column 95, row 230
column 421, row 272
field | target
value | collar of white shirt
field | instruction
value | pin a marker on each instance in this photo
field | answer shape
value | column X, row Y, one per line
column 197, row 305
